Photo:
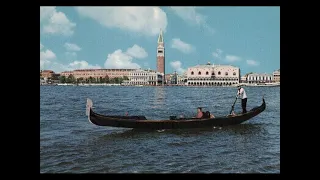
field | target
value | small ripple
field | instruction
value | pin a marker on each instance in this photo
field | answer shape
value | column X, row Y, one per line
column 181, row 143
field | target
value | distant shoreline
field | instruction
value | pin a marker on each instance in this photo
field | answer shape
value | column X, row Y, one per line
column 103, row 84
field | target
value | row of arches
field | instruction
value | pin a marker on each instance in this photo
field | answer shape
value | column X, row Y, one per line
column 141, row 83
column 257, row 78
column 212, row 83
column 219, row 73
column 214, row 79
column 250, row 82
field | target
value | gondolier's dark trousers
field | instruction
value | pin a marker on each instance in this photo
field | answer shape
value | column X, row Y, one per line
column 244, row 105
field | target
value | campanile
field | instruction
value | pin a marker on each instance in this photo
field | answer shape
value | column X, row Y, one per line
column 160, row 54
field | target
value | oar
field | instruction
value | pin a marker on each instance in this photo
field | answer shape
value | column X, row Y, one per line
column 232, row 108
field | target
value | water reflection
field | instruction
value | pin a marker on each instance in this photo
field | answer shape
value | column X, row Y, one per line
column 159, row 97
column 240, row 129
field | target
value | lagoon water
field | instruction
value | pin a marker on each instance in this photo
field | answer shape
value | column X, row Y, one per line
column 69, row 143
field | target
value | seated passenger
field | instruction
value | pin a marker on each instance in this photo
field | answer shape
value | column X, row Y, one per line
column 200, row 113
column 207, row 114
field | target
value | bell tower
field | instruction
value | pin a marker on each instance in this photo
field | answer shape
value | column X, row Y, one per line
column 161, row 55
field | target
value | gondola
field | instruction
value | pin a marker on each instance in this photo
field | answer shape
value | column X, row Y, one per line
column 141, row 122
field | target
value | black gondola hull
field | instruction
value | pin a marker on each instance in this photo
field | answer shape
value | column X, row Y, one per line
column 140, row 122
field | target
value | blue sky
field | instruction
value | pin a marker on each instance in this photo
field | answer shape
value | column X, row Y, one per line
column 126, row 37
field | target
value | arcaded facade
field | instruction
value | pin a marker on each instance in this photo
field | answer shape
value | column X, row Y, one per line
column 259, row 78
column 213, row 75
column 97, row 73
column 144, row 77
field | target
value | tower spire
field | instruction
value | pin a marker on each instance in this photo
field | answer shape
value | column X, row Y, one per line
column 160, row 38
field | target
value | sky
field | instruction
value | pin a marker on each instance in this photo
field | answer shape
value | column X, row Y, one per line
column 126, row 37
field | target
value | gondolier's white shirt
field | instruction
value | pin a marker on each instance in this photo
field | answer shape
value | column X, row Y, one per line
column 242, row 93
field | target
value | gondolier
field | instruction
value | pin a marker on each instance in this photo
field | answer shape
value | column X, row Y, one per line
column 243, row 96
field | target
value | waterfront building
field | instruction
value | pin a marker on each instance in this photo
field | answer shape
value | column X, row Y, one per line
column 183, row 78
column 144, row 77
column 167, row 78
column 243, row 79
column 276, row 75
column 259, row 78
column 213, row 75
column 97, row 73
column 47, row 73
column 174, row 78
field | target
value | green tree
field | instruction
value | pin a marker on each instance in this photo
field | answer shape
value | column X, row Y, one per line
column 71, row 79
column 55, row 77
column 100, row 80
column 111, row 80
column 116, row 80
column 125, row 78
column 106, row 78
column 62, row 79
column 80, row 80
column 121, row 80
column 90, row 79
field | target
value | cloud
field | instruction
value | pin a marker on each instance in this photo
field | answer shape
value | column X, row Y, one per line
column 54, row 22
column 48, row 61
column 46, row 12
column 46, row 57
column 58, row 67
column 72, row 47
column 82, row 65
column 191, row 16
column 176, row 65
column 119, row 59
column 182, row 46
column 232, row 58
column 146, row 64
column 217, row 54
column 252, row 62
column 144, row 20
column 71, row 55
column 137, row 52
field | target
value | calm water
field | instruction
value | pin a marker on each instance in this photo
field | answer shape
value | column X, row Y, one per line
column 70, row 143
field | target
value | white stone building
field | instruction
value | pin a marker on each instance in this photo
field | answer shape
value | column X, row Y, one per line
column 259, row 78
column 183, row 78
column 213, row 75
column 144, row 77
column 177, row 79
column 243, row 79
column 276, row 75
